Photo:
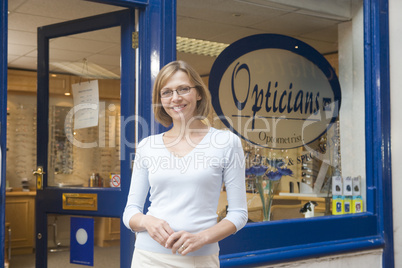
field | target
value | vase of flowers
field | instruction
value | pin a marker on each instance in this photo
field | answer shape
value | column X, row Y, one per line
column 267, row 179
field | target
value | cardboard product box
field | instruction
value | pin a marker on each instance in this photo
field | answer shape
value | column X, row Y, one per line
column 347, row 204
column 337, row 188
column 356, row 186
column 347, row 186
column 337, row 205
column 357, row 204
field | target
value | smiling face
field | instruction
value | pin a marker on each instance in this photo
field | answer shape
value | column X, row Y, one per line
column 181, row 108
column 179, row 74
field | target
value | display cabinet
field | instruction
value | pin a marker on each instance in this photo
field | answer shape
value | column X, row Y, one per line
column 20, row 214
column 107, row 231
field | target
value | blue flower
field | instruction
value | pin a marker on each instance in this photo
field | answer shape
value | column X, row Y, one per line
column 256, row 170
column 285, row 171
column 274, row 175
column 277, row 175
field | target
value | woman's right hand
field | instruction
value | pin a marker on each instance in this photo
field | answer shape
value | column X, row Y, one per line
column 158, row 229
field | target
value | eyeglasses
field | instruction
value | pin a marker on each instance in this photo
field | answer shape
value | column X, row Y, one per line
column 168, row 93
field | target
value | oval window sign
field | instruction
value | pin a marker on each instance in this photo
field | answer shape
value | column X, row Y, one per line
column 274, row 91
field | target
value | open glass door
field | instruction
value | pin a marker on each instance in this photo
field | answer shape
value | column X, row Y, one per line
column 85, row 140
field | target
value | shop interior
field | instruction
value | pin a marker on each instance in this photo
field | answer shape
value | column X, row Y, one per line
column 204, row 29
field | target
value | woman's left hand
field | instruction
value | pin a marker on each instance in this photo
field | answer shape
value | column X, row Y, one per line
column 184, row 242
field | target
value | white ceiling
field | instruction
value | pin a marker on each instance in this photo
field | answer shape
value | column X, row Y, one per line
column 214, row 20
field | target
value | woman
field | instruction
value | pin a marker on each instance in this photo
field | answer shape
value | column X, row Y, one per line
column 184, row 169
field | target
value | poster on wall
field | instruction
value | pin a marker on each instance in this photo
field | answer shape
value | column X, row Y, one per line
column 274, row 91
column 86, row 104
column 82, row 241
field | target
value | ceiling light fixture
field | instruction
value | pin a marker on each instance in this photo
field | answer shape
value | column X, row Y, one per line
column 192, row 46
column 199, row 47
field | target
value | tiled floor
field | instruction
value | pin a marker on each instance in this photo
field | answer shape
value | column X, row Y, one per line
column 108, row 257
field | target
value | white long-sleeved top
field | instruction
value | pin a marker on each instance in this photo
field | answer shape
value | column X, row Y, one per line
column 185, row 191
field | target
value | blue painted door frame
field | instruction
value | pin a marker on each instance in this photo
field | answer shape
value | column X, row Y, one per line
column 157, row 46
column 110, row 200
column 378, row 117
column 157, row 24
column 3, row 120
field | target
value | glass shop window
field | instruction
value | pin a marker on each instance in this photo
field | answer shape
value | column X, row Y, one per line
column 326, row 174
column 85, row 157
column 78, row 155
column 93, row 165
column 84, row 143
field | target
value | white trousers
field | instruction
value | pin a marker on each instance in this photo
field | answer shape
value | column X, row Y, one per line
column 145, row 259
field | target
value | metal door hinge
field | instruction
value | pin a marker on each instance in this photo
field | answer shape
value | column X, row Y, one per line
column 134, row 40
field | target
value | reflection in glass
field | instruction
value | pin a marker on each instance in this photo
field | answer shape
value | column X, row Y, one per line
column 296, row 193
column 76, row 155
column 84, row 157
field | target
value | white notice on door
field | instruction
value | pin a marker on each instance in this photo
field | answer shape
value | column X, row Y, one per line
column 86, row 104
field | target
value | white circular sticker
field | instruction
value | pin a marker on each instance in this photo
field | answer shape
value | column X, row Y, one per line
column 81, row 236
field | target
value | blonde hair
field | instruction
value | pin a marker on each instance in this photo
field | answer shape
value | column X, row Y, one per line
column 203, row 105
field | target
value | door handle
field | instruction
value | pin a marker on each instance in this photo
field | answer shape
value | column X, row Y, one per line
column 39, row 178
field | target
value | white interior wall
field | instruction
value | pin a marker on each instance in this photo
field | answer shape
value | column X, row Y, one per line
column 352, row 113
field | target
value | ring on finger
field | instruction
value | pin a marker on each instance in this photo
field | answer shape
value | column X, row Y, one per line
column 183, row 247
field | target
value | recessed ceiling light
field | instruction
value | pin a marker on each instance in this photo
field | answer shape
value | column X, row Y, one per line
column 194, row 46
column 199, row 47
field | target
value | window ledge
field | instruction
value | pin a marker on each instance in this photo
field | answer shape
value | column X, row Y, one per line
column 272, row 256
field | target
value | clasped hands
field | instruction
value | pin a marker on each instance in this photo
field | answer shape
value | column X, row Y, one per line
column 181, row 242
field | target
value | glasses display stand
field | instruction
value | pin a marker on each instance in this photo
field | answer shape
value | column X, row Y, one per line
column 69, row 164
column 21, row 144
column 76, row 154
